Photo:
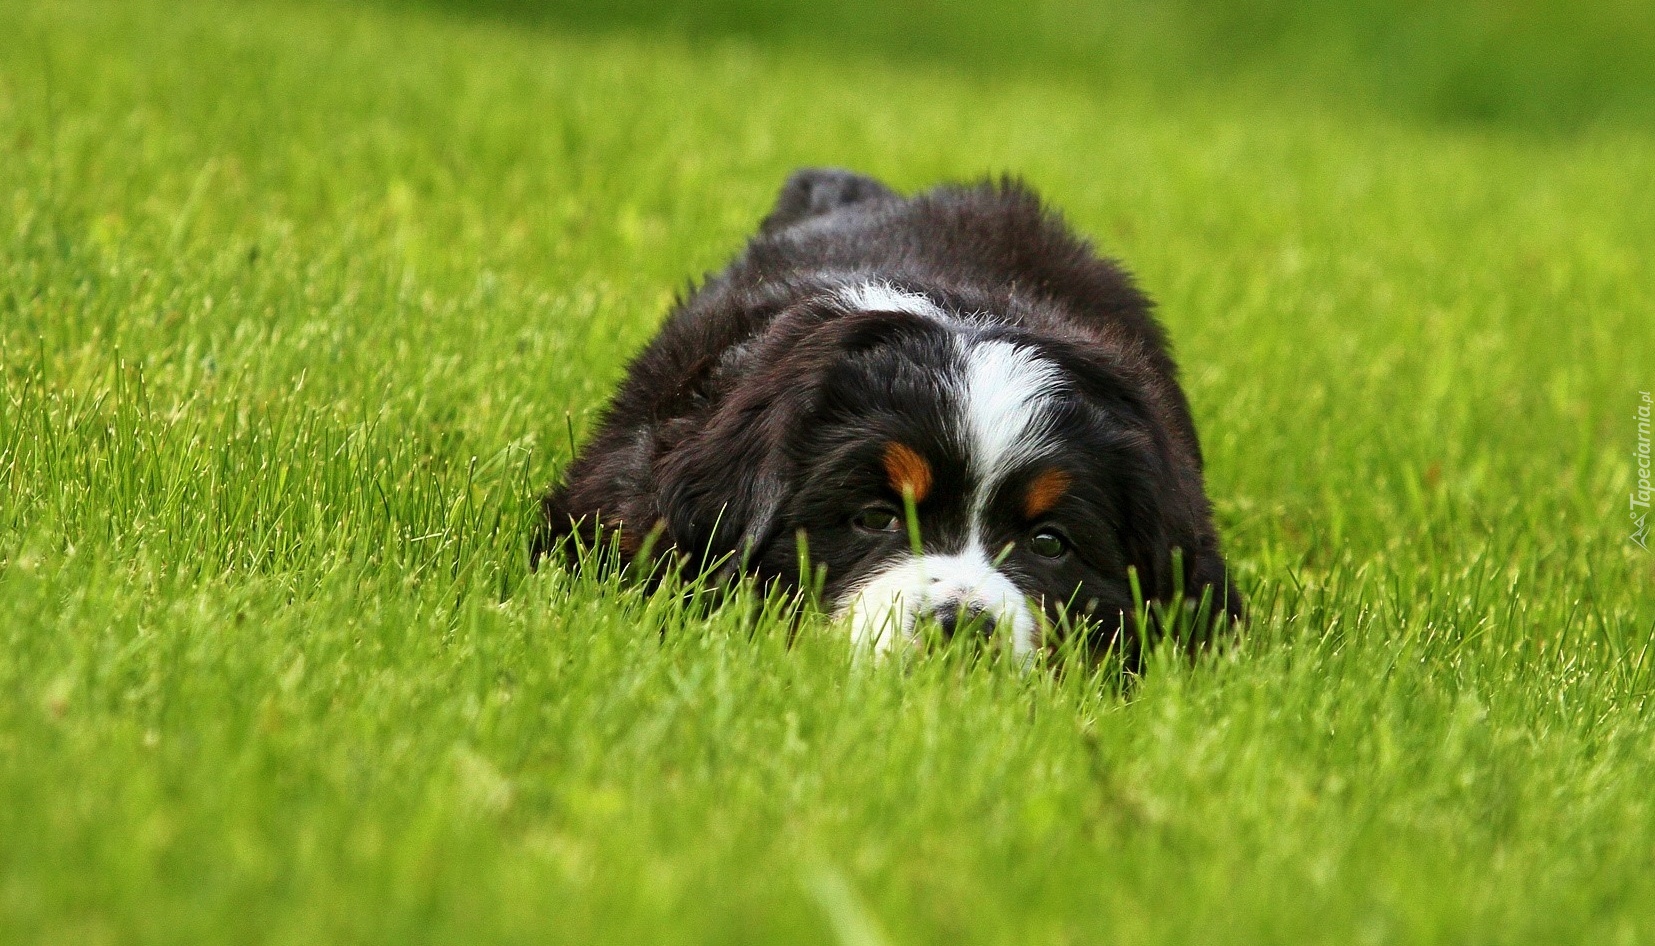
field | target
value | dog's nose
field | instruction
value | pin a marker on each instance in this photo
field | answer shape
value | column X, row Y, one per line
column 953, row 616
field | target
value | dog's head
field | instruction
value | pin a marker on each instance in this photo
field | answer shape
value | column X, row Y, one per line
column 946, row 470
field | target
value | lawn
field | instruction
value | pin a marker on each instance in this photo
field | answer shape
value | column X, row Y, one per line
column 302, row 303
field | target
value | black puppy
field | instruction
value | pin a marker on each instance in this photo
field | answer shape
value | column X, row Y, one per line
column 961, row 353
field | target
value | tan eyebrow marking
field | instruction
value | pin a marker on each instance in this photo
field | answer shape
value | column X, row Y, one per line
column 907, row 470
column 1045, row 491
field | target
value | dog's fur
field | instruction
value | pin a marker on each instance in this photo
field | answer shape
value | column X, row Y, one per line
column 960, row 353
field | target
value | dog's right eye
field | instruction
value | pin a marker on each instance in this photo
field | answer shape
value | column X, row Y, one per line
column 877, row 519
column 1048, row 543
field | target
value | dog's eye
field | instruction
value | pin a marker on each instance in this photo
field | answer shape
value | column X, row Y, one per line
column 877, row 519
column 1048, row 543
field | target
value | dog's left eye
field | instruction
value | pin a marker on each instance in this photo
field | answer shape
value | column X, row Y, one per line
column 1048, row 543
column 877, row 519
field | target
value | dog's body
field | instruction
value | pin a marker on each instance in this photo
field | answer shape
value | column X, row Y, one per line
column 960, row 353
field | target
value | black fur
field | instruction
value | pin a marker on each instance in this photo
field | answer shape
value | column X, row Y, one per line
column 759, row 409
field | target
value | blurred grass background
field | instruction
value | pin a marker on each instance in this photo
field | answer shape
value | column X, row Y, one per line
column 299, row 299
column 1540, row 65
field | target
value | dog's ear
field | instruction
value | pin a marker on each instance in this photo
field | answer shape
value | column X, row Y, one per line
column 1171, row 539
column 724, row 490
column 1161, row 503
column 1167, row 535
column 722, row 487
column 1207, row 574
column 565, row 537
column 553, row 529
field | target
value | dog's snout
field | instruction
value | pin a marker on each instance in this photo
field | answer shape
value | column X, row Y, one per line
column 941, row 596
column 953, row 616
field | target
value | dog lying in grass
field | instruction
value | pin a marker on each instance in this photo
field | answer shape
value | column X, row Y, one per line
column 948, row 403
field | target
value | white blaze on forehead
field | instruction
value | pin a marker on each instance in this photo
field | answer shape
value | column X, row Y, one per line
column 1005, row 401
column 885, row 609
column 879, row 296
column 1003, row 398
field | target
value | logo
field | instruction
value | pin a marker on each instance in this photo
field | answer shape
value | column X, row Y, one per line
column 1643, row 489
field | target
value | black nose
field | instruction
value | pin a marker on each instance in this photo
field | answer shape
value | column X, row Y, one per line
column 952, row 617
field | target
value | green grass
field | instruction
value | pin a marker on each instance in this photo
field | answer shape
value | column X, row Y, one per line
column 295, row 299
column 1535, row 65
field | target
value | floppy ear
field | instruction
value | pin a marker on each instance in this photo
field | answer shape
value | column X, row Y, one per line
column 1206, row 573
column 1175, row 515
column 724, row 490
column 553, row 529
column 721, row 491
column 1167, row 535
column 1161, row 501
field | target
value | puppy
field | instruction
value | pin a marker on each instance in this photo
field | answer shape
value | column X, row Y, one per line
column 949, row 401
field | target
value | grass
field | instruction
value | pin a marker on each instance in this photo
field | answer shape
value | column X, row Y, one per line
column 1531, row 65
column 299, row 303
